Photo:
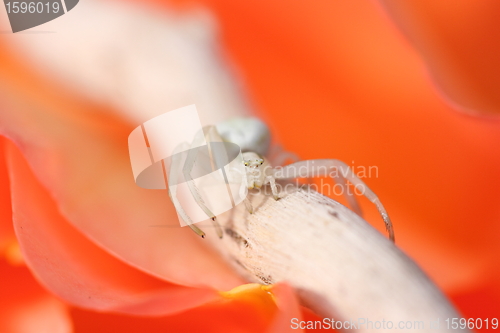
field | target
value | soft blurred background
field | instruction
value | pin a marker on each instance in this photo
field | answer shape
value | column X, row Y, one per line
column 410, row 88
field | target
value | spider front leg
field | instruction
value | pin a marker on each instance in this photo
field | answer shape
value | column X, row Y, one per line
column 248, row 205
column 188, row 167
column 351, row 199
column 272, row 181
column 315, row 168
column 172, row 193
column 182, row 213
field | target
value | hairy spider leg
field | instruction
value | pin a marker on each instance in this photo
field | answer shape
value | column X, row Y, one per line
column 324, row 166
column 188, row 167
column 175, row 166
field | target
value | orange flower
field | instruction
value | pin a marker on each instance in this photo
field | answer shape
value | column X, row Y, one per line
column 336, row 80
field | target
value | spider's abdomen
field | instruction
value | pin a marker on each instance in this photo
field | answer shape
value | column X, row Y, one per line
column 250, row 134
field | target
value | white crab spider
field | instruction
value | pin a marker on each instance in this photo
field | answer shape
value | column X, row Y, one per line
column 253, row 136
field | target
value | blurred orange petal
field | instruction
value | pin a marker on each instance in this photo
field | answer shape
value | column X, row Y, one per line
column 481, row 300
column 247, row 308
column 237, row 317
column 77, row 270
column 458, row 39
column 6, row 229
column 288, row 309
column 26, row 307
column 80, row 156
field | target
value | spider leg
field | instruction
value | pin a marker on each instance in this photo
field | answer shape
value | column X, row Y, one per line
column 315, row 168
column 278, row 156
column 173, row 195
column 351, row 199
column 210, row 134
column 272, row 181
column 187, row 168
column 248, row 205
column 183, row 214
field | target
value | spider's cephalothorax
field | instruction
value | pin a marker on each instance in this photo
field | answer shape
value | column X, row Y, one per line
column 256, row 168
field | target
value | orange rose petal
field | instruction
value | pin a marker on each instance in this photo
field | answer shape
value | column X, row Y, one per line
column 79, row 153
column 288, row 309
column 459, row 42
column 234, row 317
column 277, row 303
column 74, row 268
column 309, row 316
column 247, row 308
column 481, row 300
column 6, row 229
column 25, row 307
